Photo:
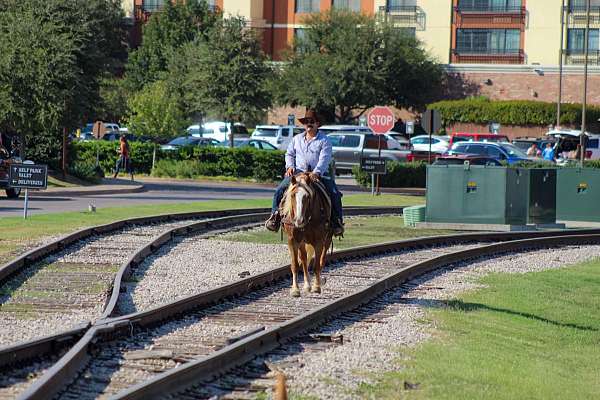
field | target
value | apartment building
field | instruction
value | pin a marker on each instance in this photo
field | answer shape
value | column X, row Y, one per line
column 504, row 49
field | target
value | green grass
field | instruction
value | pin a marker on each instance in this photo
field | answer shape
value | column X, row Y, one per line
column 359, row 231
column 533, row 336
column 17, row 233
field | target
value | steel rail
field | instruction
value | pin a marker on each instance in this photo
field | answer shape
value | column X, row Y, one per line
column 72, row 361
column 224, row 219
column 190, row 374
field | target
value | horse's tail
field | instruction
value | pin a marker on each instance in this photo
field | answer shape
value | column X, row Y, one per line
column 310, row 254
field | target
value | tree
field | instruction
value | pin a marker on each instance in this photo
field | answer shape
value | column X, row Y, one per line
column 349, row 62
column 52, row 56
column 154, row 112
column 176, row 24
column 225, row 75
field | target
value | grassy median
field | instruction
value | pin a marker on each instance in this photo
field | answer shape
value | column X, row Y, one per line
column 17, row 234
column 532, row 336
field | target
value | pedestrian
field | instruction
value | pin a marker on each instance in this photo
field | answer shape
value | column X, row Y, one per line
column 533, row 150
column 548, row 153
column 399, row 126
column 124, row 161
column 309, row 152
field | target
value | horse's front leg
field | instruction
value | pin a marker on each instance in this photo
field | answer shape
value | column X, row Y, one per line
column 304, row 261
column 293, row 247
column 316, row 286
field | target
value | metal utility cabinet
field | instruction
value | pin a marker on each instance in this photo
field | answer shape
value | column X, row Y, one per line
column 490, row 195
column 578, row 194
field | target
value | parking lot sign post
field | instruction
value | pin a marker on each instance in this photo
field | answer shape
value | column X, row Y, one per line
column 28, row 176
column 381, row 121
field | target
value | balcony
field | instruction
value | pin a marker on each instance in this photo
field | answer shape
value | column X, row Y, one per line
column 577, row 57
column 490, row 17
column 404, row 16
column 576, row 15
column 487, row 56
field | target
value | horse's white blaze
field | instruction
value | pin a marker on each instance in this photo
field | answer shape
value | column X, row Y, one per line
column 299, row 204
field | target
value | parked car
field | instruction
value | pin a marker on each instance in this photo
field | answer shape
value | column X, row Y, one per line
column 401, row 138
column 218, row 130
column 279, row 136
column 350, row 146
column 113, row 136
column 188, row 141
column 9, row 154
column 246, row 142
column 421, row 143
column 460, row 159
column 476, row 137
column 500, row 151
column 567, row 141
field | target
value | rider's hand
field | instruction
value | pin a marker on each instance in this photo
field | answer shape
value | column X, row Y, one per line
column 314, row 176
column 289, row 171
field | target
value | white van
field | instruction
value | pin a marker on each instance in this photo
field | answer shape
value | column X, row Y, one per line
column 218, row 130
column 569, row 139
column 279, row 136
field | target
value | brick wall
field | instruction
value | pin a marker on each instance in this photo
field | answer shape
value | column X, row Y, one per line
column 526, row 86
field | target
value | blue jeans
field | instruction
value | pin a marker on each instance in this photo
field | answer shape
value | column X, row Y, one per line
column 124, row 163
column 330, row 186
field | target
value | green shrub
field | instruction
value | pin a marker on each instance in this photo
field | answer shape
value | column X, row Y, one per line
column 398, row 175
column 481, row 110
column 85, row 152
column 85, row 171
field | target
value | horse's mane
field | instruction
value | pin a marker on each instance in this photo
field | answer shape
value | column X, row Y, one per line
column 288, row 202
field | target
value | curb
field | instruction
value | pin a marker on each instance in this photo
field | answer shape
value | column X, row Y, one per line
column 70, row 193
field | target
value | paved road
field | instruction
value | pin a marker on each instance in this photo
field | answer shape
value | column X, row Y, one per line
column 156, row 193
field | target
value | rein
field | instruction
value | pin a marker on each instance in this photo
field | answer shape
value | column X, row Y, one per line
column 311, row 194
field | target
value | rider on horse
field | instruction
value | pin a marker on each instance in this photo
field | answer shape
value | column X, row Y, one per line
column 309, row 152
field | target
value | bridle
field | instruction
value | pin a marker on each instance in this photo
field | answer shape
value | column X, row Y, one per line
column 311, row 194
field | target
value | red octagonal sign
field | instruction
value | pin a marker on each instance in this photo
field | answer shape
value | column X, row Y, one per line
column 380, row 120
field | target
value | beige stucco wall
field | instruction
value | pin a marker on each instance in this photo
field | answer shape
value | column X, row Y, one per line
column 542, row 35
column 127, row 6
column 251, row 10
column 438, row 26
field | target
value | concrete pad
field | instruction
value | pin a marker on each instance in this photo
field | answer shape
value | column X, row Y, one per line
column 475, row 227
column 581, row 224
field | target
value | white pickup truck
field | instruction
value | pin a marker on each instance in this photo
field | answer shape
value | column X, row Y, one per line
column 351, row 143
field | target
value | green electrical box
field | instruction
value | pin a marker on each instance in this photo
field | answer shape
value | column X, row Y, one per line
column 578, row 194
column 490, row 195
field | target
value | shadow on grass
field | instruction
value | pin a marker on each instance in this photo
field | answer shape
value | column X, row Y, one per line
column 459, row 305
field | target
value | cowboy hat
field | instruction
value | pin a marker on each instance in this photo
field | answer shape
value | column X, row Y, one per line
column 310, row 114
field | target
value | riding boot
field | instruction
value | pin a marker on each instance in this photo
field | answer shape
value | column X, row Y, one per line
column 338, row 227
column 273, row 222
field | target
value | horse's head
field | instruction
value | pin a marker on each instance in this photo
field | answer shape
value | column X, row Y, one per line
column 298, row 200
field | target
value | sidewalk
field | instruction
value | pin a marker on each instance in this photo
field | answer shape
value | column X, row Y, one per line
column 107, row 186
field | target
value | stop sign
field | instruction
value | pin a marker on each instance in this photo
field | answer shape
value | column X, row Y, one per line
column 380, row 120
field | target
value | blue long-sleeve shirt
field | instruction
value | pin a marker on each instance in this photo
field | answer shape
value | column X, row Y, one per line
column 309, row 155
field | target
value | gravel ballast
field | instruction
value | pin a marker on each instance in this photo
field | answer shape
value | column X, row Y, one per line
column 373, row 348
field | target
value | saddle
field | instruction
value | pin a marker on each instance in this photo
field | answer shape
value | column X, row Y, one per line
column 326, row 213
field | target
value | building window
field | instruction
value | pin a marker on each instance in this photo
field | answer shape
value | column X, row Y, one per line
column 407, row 31
column 576, row 40
column 352, row 5
column 488, row 41
column 300, row 40
column 152, row 5
column 401, row 5
column 307, row 6
column 580, row 5
column 489, row 5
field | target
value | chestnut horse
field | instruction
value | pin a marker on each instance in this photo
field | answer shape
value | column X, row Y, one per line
column 306, row 211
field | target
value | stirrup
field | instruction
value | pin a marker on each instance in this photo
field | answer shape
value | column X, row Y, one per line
column 338, row 228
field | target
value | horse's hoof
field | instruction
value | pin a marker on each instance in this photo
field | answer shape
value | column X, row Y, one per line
column 307, row 288
column 295, row 292
column 315, row 289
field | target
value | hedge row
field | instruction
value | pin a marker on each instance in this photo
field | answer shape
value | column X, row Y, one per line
column 189, row 161
column 398, row 175
column 514, row 112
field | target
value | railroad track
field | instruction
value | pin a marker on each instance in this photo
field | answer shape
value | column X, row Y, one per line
column 170, row 348
column 82, row 275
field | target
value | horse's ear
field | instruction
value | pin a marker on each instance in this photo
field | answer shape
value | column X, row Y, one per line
column 293, row 180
